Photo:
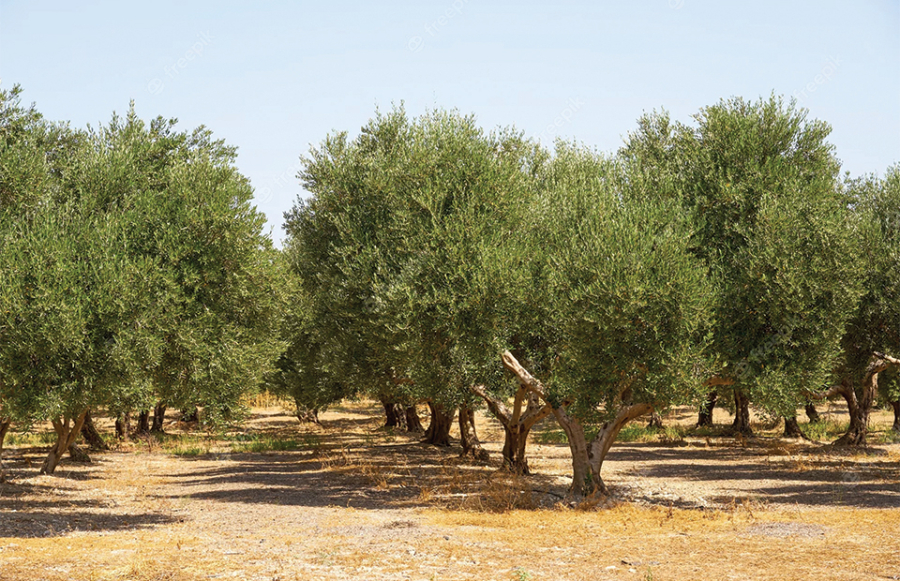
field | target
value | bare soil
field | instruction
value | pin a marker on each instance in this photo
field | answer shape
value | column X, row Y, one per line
column 354, row 501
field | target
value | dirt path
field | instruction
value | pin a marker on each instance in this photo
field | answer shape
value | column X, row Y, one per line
column 354, row 502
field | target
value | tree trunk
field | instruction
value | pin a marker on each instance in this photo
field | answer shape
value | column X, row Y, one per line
column 143, row 423
column 706, row 410
column 413, row 423
column 394, row 414
column 812, row 414
column 792, row 428
column 860, row 403
column 516, row 423
column 655, row 421
column 587, row 459
column 65, row 437
column 306, row 415
column 471, row 445
column 894, row 404
column 159, row 416
column 438, row 432
column 741, row 424
column 4, row 427
column 123, row 426
column 91, row 435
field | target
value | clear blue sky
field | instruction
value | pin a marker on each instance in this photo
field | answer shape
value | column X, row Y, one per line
column 274, row 78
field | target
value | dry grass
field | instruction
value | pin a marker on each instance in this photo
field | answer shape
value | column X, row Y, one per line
column 350, row 501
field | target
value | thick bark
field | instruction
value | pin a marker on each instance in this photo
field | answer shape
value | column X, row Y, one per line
column 517, row 424
column 413, row 422
column 587, row 459
column 655, row 421
column 123, row 426
column 159, row 416
column 393, row 411
column 812, row 414
column 307, row 415
column 792, row 428
column 4, row 427
column 143, row 423
column 66, row 434
column 438, row 432
column 861, row 401
column 91, row 435
column 896, row 406
column 706, row 410
column 468, row 437
column 741, row 424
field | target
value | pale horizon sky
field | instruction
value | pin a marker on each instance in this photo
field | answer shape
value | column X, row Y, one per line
column 274, row 78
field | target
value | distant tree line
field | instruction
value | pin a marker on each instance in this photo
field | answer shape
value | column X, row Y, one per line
column 437, row 263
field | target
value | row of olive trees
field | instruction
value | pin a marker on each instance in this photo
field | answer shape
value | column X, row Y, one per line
column 436, row 262
column 133, row 270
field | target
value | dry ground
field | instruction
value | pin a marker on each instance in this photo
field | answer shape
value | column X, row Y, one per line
column 352, row 501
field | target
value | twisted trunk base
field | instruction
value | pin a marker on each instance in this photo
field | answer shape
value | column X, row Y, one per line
column 741, row 424
column 4, row 427
column 66, row 434
column 792, row 428
column 438, row 432
column 413, row 422
column 93, row 438
column 705, row 418
column 471, row 445
column 159, row 416
column 812, row 414
column 517, row 423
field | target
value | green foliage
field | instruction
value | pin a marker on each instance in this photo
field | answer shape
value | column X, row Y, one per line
column 133, row 268
column 623, row 300
column 395, row 250
column 875, row 325
column 771, row 225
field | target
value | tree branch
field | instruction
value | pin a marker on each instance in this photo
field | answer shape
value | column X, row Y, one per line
column 525, row 378
column 500, row 411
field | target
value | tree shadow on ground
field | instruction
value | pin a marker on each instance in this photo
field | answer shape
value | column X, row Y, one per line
column 35, row 510
column 388, row 476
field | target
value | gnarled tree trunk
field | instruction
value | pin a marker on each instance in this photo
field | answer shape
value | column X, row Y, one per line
column 587, row 458
column 468, row 437
column 159, row 416
column 123, row 426
column 741, row 424
column 706, row 410
column 66, row 433
column 812, row 414
column 143, row 423
column 861, row 401
column 4, row 427
column 307, row 415
column 91, row 435
column 413, row 423
column 896, row 406
column 438, row 432
column 394, row 413
column 792, row 428
column 516, row 423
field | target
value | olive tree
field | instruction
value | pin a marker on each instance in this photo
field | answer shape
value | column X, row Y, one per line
column 760, row 181
column 141, row 273
column 625, row 302
column 398, row 249
column 872, row 339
